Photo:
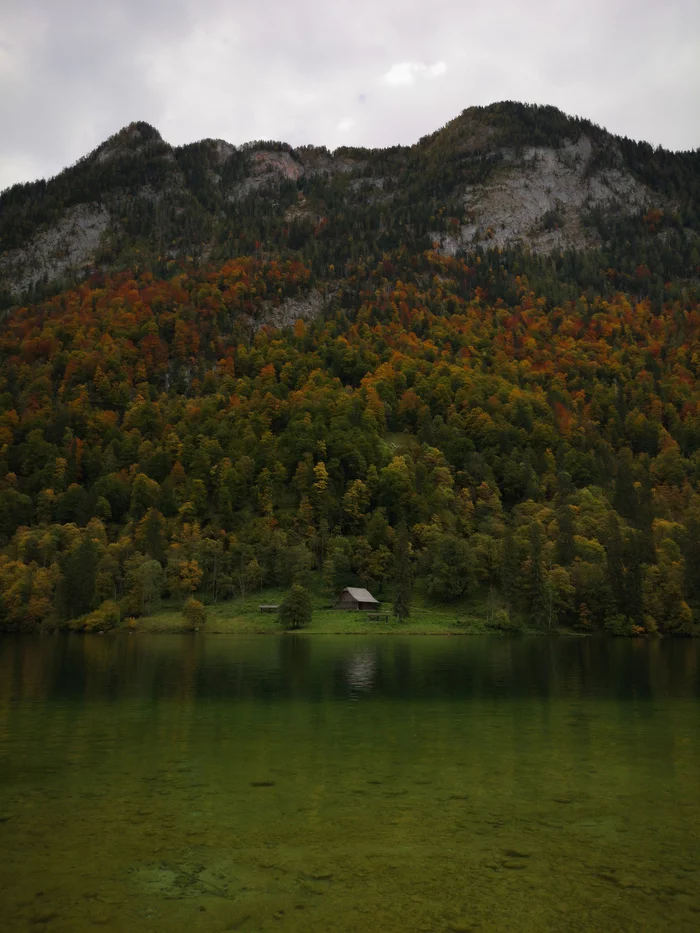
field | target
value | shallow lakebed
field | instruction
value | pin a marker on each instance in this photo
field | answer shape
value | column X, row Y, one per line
column 219, row 783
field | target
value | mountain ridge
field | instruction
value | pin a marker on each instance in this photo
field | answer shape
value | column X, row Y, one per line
column 506, row 175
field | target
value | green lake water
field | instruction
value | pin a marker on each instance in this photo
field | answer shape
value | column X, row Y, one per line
column 310, row 783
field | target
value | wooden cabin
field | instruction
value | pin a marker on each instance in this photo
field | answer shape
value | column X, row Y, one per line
column 353, row 597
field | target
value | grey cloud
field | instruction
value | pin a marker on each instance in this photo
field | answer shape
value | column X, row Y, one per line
column 72, row 72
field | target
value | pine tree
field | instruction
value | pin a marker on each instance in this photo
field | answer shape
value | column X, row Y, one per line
column 625, row 495
column 402, row 574
column 79, row 569
column 538, row 602
column 645, row 518
column 615, row 563
column 509, row 570
column 633, row 557
column 565, row 535
column 150, row 535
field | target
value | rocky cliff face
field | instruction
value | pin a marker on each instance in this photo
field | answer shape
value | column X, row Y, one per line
column 504, row 176
column 538, row 199
column 56, row 250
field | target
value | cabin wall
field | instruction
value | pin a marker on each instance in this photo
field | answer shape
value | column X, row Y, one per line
column 347, row 602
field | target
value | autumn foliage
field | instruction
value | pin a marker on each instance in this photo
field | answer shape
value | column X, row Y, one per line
column 157, row 437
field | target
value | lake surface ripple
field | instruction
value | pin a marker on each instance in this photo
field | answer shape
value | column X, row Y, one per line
column 311, row 783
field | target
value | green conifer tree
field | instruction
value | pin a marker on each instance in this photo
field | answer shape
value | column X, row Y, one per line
column 509, row 570
column 566, row 529
column 538, row 601
column 402, row 574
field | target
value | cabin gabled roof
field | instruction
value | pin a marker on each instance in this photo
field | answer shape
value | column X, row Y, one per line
column 360, row 595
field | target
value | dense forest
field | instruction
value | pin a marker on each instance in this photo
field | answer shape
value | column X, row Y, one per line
column 522, row 427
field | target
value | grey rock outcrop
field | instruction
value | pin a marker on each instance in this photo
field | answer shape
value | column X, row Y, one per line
column 60, row 250
column 304, row 307
column 539, row 198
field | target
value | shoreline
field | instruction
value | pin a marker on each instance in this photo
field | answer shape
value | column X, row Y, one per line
column 438, row 632
column 244, row 618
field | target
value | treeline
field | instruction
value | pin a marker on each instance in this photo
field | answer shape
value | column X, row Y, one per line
column 157, row 441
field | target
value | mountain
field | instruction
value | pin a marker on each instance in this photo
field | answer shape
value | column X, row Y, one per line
column 504, row 176
column 468, row 368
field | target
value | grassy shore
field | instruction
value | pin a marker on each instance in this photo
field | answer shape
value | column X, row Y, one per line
column 243, row 617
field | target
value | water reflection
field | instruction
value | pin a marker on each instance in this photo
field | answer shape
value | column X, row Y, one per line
column 271, row 667
column 362, row 670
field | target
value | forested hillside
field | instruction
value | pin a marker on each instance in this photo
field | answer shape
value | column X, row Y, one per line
column 533, row 417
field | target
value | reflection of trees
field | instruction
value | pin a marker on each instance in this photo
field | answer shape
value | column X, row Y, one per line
column 402, row 668
column 295, row 662
column 303, row 666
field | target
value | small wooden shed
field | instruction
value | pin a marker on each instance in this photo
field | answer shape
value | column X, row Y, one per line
column 353, row 597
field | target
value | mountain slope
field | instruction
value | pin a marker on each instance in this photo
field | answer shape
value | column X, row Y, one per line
column 508, row 175
column 270, row 366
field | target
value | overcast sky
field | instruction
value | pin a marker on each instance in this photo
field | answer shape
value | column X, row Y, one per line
column 332, row 72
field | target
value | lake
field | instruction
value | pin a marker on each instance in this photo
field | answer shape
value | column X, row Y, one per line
column 311, row 783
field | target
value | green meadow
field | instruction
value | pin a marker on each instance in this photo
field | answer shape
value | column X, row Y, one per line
column 243, row 617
